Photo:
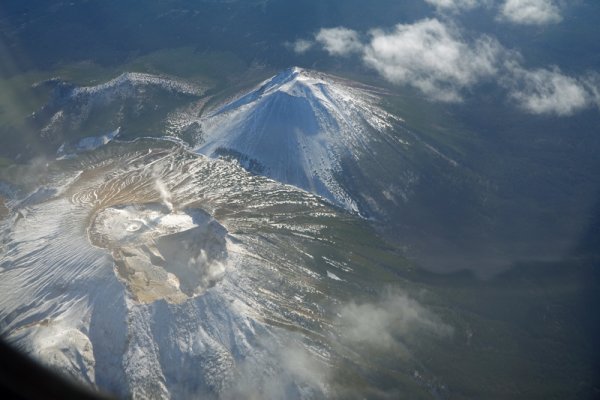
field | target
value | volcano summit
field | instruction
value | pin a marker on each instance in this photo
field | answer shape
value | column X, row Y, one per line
column 299, row 127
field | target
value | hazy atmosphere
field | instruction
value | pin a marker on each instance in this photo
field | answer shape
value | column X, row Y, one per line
column 276, row 199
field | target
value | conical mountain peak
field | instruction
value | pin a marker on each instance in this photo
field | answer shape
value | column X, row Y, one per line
column 296, row 127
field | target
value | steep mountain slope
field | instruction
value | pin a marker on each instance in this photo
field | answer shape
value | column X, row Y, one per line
column 303, row 128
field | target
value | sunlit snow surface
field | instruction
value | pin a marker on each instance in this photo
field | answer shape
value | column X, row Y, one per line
column 154, row 272
column 298, row 127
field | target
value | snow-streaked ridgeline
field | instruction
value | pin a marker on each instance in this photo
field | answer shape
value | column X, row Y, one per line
column 137, row 102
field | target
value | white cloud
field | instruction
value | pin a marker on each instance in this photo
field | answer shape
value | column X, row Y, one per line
column 339, row 41
column 530, row 12
column 437, row 59
column 288, row 369
column 388, row 323
column 456, row 5
column 432, row 57
column 300, row 46
column 592, row 83
column 548, row 91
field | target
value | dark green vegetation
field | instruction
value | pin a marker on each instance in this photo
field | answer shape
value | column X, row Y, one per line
column 524, row 187
column 528, row 333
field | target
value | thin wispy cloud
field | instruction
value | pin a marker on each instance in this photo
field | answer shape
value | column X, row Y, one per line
column 289, row 371
column 592, row 84
column 300, row 46
column 389, row 323
column 524, row 12
column 456, row 5
column 530, row 12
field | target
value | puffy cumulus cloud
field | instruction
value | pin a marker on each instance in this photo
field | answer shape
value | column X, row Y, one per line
column 456, row 5
column 530, row 12
column 432, row 57
column 548, row 91
column 339, row 41
column 388, row 323
column 437, row 59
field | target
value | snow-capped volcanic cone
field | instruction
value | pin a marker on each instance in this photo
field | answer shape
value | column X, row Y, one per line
column 299, row 127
